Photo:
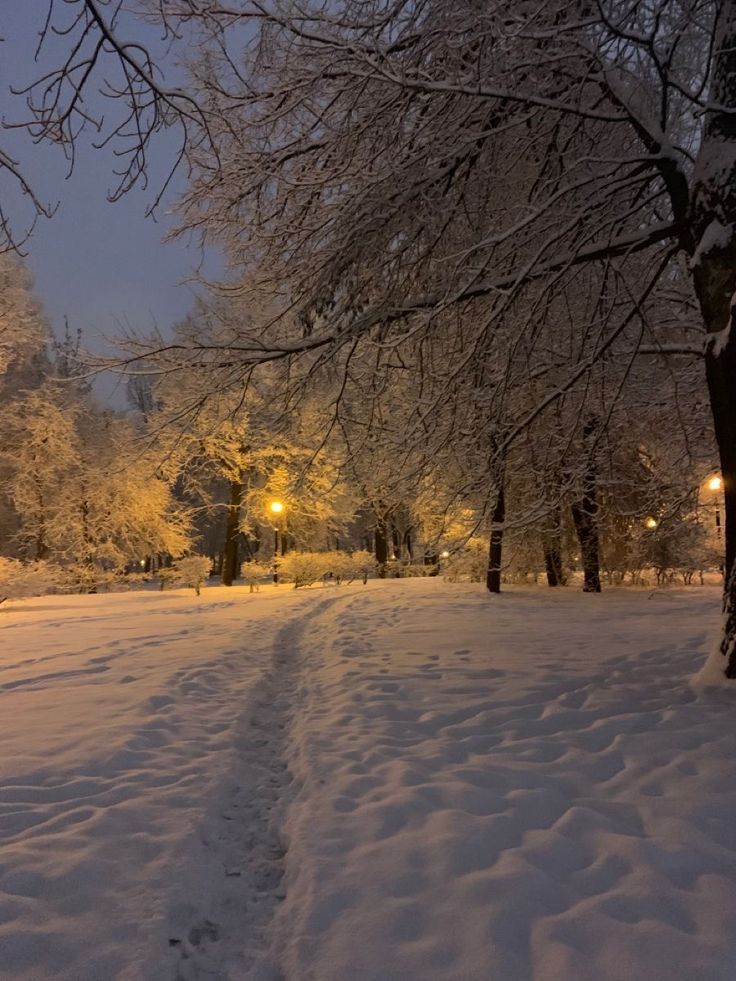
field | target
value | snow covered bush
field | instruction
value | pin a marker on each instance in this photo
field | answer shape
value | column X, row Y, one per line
column 90, row 578
column 253, row 573
column 166, row 575
column 339, row 565
column 678, row 547
column 304, row 568
column 363, row 564
column 470, row 564
column 192, row 571
column 416, row 570
column 399, row 569
column 19, row 579
column 348, row 566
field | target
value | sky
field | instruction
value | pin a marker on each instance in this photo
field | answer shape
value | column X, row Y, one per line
column 99, row 264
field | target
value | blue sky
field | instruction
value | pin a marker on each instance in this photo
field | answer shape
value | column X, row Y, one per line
column 97, row 263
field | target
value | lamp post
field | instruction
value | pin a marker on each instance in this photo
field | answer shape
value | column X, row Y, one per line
column 276, row 508
column 714, row 485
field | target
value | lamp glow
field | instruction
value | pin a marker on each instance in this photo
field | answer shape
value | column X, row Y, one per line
column 445, row 554
column 715, row 483
column 650, row 522
column 276, row 506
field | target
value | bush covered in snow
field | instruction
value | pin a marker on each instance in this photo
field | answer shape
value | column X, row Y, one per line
column 305, row 568
column 470, row 564
column 253, row 574
column 192, row 571
column 19, row 579
column 410, row 570
column 346, row 566
column 362, row 565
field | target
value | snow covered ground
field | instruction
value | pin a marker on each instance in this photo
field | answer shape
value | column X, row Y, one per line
column 407, row 780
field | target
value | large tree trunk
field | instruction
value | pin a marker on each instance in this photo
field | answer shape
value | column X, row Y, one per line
column 495, row 551
column 552, row 543
column 585, row 515
column 232, row 534
column 41, row 548
column 714, row 275
column 380, row 539
column 553, row 563
column 88, row 560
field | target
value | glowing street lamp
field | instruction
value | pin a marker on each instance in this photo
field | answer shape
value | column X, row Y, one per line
column 650, row 523
column 276, row 508
column 445, row 554
column 715, row 485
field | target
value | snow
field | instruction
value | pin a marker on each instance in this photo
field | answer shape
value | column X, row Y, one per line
column 716, row 236
column 404, row 780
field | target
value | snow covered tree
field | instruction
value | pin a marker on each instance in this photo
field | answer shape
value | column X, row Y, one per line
column 83, row 486
column 23, row 331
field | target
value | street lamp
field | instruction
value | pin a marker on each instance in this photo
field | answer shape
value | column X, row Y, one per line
column 276, row 508
column 650, row 523
column 714, row 485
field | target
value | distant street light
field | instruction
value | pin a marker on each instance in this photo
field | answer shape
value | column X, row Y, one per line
column 445, row 554
column 650, row 523
column 276, row 508
column 714, row 485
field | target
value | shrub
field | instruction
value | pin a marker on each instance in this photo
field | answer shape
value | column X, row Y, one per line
column 252, row 573
column 304, row 568
column 363, row 565
column 192, row 570
column 468, row 565
column 19, row 579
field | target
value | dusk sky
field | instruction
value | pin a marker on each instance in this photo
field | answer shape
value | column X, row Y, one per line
column 95, row 262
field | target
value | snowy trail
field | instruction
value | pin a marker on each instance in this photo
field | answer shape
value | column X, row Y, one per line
column 399, row 781
column 142, row 742
column 526, row 789
column 241, row 857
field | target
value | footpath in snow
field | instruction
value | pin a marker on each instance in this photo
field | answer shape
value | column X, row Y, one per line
column 512, row 788
column 142, row 766
column 404, row 781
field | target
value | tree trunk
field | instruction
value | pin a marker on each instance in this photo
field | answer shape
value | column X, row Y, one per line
column 380, row 540
column 720, row 370
column 585, row 516
column 407, row 548
column 232, row 534
column 713, row 208
column 552, row 542
column 41, row 549
column 493, row 577
column 553, row 564
column 88, row 560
